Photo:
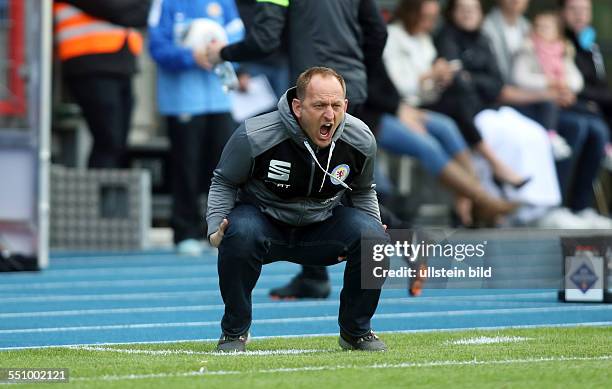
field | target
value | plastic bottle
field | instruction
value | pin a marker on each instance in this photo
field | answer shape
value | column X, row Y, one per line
column 227, row 75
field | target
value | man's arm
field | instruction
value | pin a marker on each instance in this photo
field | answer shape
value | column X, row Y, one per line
column 374, row 31
column 127, row 13
column 382, row 92
column 232, row 172
column 264, row 36
column 363, row 195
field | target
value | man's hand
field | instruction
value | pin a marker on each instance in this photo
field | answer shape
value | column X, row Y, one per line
column 214, row 52
column 243, row 82
column 566, row 98
column 217, row 236
column 201, row 58
column 443, row 72
column 411, row 118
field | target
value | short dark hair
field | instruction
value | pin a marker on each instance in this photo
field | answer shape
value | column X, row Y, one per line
column 304, row 79
column 450, row 9
column 408, row 12
column 563, row 3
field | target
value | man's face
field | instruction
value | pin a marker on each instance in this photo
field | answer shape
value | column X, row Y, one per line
column 577, row 14
column 515, row 7
column 322, row 110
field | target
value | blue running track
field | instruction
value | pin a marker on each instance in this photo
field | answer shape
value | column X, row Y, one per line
column 157, row 297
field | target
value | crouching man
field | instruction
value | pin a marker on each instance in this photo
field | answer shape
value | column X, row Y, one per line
column 275, row 195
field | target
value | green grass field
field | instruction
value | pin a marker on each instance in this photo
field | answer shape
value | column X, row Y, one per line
column 579, row 357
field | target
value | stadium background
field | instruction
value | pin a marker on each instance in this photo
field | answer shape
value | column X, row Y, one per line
column 149, row 144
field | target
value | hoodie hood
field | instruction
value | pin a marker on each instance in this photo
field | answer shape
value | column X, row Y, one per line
column 291, row 124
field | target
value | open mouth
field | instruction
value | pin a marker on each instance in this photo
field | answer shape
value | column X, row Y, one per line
column 325, row 130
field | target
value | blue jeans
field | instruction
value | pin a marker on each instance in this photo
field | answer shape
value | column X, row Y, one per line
column 546, row 113
column 587, row 135
column 253, row 239
column 434, row 150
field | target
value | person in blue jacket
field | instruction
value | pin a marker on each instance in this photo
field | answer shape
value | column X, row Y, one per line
column 194, row 104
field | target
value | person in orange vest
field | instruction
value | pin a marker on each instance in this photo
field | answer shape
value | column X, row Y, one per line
column 97, row 45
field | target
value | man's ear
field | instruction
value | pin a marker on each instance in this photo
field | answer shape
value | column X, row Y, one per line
column 296, row 105
column 346, row 103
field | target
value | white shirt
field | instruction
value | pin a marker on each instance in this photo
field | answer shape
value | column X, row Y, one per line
column 407, row 57
column 514, row 36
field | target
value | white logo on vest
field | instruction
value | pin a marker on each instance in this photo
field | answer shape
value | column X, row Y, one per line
column 279, row 170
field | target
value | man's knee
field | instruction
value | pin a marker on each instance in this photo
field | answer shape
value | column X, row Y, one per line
column 360, row 225
column 244, row 235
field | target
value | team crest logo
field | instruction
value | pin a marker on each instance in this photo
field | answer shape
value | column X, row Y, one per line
column 214, row 10
column 340, row 173
column 584, row 278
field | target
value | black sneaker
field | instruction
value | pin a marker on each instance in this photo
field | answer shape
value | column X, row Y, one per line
column 367, row 342
column 302, row 288
column 233, row 344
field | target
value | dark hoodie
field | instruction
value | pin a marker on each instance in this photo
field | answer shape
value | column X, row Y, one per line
column 342, row 35
column 270, row 162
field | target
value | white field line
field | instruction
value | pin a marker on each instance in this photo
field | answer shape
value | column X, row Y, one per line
column 419, row 331
column 382, row 316
column 204, row 372
column 118, row 296
column 112, row 271
column 142, row 270
column 190, row 352
column 145, row 260
column 149, row 256
column 128, row 283
column 256, row 291
column 489, row 340
column 271, row 305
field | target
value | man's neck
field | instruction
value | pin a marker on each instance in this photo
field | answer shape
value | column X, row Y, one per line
column 510, row 18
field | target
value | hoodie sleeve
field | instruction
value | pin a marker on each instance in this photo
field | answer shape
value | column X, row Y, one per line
column 231, row 173
column 374, row 31
column 265, row 34
column 363, row 193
